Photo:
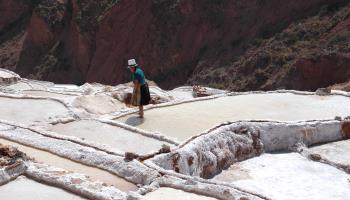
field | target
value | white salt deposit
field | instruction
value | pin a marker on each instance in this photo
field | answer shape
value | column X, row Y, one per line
column 46, row 94
column 100, row 105
column 290, row 176
column 173, row 194
column 4, row 74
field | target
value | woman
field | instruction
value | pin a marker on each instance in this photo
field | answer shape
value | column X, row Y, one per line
column 141, row 95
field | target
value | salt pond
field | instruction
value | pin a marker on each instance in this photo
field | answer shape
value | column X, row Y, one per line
column 30, row 110
column 57, row 161
column 25, row 189
column 188, row 119
column 113, row 136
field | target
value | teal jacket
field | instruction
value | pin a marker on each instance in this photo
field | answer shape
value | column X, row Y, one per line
column 139, row 76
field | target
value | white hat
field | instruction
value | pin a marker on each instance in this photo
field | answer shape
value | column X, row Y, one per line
column 132, row 63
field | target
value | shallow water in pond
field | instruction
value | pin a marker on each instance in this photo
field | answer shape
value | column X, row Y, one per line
column 113, row 136
column 25, row 189
column 188, row 119
column 57, row 161
column 173, row 194
column 30, row 110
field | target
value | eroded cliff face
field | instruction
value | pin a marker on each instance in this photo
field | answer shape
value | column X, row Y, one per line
column 10, row 11
column 15, row 16
column 76, row 41
column 308, row 54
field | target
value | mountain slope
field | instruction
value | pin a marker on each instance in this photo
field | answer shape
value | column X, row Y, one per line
column 309, row 54
column 77, row 41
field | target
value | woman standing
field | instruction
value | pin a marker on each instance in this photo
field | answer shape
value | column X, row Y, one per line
column 140, row 95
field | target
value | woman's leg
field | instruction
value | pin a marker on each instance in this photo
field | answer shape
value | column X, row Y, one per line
column 141, row 111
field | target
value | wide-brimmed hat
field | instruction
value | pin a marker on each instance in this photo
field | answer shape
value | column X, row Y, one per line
column 132, row 63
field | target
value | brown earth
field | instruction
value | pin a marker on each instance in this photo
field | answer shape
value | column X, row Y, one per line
column 193, row 41
column 9, row 155
column 10, row 51
column 346, row 130
column 341, row 86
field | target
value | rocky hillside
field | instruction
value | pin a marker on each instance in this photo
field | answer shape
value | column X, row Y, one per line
column 309, row 54
column 186, row 41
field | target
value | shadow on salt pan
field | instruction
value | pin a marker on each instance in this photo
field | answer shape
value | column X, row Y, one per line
column 135, row 121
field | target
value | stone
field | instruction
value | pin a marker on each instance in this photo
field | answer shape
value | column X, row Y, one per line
column 346, row 129
column 199, row 91
column 315, row 157
column 8, row 77
column 338, row 118
column 165, row 149
column 323, row 91
column 129, row 156
column 10, row 156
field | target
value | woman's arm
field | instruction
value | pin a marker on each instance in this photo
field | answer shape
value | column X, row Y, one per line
column 136, row 83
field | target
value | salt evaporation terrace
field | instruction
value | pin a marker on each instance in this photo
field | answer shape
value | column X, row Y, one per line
column 114, row 136
column 189, row 119
column 83, row 142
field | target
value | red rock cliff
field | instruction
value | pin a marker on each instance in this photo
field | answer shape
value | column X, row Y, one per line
column 91, row 41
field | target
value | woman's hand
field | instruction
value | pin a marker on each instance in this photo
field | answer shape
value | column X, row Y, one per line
column 136, row 83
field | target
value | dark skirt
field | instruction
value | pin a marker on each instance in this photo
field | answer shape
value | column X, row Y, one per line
column 145, row 95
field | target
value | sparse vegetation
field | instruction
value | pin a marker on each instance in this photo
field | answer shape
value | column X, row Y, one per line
column 91, row 12
column 52, row 12
column 268, row 61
